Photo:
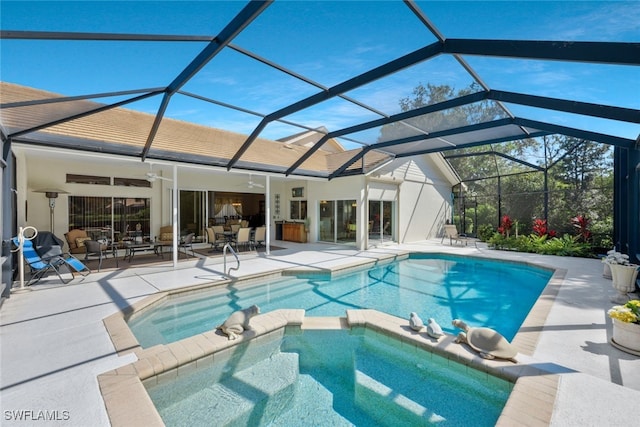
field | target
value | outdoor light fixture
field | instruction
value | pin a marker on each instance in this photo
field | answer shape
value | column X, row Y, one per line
column 52, row 195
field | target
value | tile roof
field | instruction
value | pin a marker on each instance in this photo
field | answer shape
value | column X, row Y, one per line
column 118, row 130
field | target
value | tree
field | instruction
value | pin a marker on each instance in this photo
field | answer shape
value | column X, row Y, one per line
column 579, row 178
column 439, row 120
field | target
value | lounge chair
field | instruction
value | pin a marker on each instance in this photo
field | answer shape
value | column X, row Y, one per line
column 451, row 231
column 40, row 266
column 48, row 245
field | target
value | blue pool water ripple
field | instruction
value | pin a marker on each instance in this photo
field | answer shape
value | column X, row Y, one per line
column 487, row 293
column 331, row 378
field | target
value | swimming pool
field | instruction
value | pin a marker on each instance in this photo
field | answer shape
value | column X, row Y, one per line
column 483, row 292
column 330, row 378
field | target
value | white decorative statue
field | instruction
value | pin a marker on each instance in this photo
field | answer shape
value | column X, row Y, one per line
column 434, row 330
column 415, row 322
column 238, row 322
column 487, row 342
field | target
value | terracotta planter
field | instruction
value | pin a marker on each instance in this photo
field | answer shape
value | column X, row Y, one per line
column 626, row 336
column 623, row 281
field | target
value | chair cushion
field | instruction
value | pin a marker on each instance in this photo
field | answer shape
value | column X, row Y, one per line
column 80, row 241
column 72, row 235
column 166, row 237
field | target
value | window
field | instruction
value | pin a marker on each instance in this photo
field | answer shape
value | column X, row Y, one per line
column 88, row 179
column 298, row 209
column 297, row 192
column 113, row 217
column 131, row 182
column 106, row 180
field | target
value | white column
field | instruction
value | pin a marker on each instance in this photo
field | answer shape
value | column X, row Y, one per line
column 267, row 215
column 174, row 216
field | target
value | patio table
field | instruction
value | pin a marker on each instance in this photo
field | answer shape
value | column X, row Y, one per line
column 159, row 247
column 132, row 248
column 228, row 235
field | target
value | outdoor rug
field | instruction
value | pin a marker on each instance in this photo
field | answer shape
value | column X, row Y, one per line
column 205, row 251
column 138, row 260
column 150, row 259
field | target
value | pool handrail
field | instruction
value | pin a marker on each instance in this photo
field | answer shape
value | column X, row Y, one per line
column 224, row 255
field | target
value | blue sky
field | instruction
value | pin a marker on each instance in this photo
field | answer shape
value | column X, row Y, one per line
column 327, row 42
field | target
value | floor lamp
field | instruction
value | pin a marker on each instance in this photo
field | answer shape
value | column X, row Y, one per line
column 52, row 195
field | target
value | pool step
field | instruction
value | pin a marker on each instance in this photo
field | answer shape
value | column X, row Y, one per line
column 393, row 391
column 289, row 398
column 266, row 390
column 252, row 396
column 312, row 406
column 388, row 407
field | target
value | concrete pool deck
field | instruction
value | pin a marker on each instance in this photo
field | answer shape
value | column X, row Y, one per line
column 53, row 343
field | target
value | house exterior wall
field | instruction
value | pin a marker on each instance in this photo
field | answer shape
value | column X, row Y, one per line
column 349, row 188
column 419, row 187
column 37, row 172
column 423, row 197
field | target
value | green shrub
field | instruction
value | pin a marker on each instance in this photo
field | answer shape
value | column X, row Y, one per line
column 485, row 232
column 566, row 245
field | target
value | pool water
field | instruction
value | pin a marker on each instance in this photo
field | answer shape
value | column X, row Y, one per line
column 331, row 378
column 482, row 292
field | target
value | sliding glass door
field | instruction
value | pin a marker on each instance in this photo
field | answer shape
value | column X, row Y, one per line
column 326, row 227
column 192, row 213
column 381, row 221
column 337, row 221
column 116, row 218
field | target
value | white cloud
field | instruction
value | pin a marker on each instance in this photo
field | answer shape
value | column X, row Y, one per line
column 603, row 21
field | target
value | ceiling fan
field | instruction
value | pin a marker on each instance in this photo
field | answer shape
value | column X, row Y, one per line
column 152, row 176
column 252, row 183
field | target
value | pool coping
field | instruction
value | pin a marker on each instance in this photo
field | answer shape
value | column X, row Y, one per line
column 530, row 403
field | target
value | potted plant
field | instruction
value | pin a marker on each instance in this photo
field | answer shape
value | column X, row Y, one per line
column 623, row 275
column 626, row 326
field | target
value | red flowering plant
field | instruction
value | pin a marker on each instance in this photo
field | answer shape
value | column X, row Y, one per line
column 581, row 224
column 505, row 225
column 540, row 228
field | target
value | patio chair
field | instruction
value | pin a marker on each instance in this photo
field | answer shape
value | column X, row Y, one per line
column 39, row 266
column 243, row 237
column 48, row 246
column 451, row 231
column 259, row 236
column 351, row 230
column 166, row 235
column 95, row 248
column 187, row 243
column 75, row 240
column 216, row 237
